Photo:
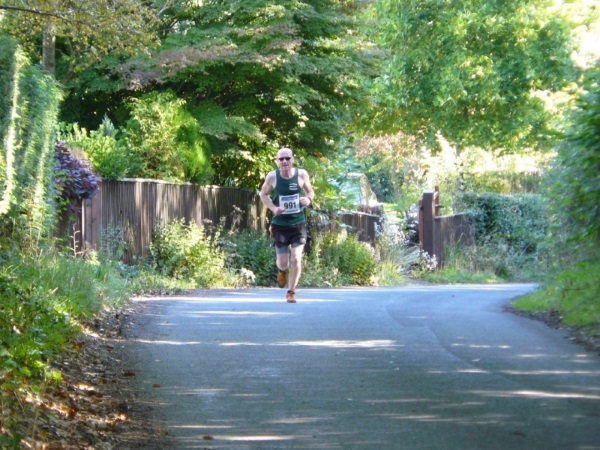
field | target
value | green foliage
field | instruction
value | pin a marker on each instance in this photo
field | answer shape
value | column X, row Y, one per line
column 254, row 75
column 573, row 294
column 400, row 170
column 187, row 251
column 9, row 59
column 167, row 140
column 28, row 112
column 503, row 182
column 471, row 70
column 253, row 252
column 147, row 281
column 161, row 141
column 106, row 153
column 326, row 175
column 519, row 222
column 43, row 298
column 247, row 258
column 112, row 243
column 490, row 261
column 388, row 274
column 285, row 68
column 409, row 169
column 510, row 239
column 572, row 291
column 84, row 34
column 574, row 181
column 461, row 274
column 351, row 261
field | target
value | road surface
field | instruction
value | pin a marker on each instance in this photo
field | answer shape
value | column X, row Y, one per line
column 419, row 367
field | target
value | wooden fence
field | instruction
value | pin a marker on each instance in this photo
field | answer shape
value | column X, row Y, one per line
column 363, row 225
column 437, row 232
column 137, row 206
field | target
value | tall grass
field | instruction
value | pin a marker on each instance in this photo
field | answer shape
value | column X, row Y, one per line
column 45, row 299
column 574, row 294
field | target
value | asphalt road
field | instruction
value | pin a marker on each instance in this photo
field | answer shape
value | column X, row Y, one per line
column 442, row 367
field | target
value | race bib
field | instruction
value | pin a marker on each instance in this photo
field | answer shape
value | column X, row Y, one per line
column 291, row 203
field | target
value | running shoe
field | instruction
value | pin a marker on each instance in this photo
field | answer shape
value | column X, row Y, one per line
column 290, row 297
column 282, row 277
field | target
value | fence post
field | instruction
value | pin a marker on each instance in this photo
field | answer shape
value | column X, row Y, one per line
column 427, row 222
column 436, row 201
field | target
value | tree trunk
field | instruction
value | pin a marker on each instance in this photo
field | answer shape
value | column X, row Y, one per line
column 49, row 48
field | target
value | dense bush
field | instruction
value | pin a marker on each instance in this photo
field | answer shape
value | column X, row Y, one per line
column 510, row 236
column 520, row 221
column 167, row 140
column 106, row 153
column 253, row 252
column 75, row 178
column 188, row 251
column 247, row 258
column 161, row 140
column 574, row 181
column 354, row 260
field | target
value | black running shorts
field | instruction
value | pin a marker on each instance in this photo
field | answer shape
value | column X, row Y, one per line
column 293, row 235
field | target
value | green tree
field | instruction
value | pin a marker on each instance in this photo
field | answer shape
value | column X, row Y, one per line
column 166, row 140
column 477, row 71
column 86, row 30
column 575, row 183
column 255, row 75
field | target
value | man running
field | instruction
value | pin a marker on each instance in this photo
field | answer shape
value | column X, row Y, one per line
column 282, row 192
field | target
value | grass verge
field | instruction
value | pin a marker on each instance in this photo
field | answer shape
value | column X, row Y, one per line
column 573, row 295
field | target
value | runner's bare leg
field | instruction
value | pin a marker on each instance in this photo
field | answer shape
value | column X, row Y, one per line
column 296, row 266
column 283, row 261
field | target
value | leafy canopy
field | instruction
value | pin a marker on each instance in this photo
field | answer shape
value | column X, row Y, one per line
column 474, row 70
column 575, row 188
column 255, row 75
column 85, row 30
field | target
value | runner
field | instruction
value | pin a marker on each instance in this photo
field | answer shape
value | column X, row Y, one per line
column 282, row 192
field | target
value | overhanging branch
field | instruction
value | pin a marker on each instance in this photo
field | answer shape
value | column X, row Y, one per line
column 36, row 12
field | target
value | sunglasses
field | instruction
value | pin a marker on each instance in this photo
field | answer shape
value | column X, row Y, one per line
column 285, row 158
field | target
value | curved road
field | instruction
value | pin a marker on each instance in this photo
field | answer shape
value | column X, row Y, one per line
column 435, row 367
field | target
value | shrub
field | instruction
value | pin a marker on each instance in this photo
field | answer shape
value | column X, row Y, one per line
column 187, row 251
column 254, row 252
column 112, row 243
column 168, row 140
column 510, row 238
column 520, row 221
column 315, row 272
column 106, row 153
column 75, row 178
column 574, row 182
column 354, row 260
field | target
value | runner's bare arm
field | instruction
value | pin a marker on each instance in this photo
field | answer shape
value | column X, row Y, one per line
column 265, row 194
